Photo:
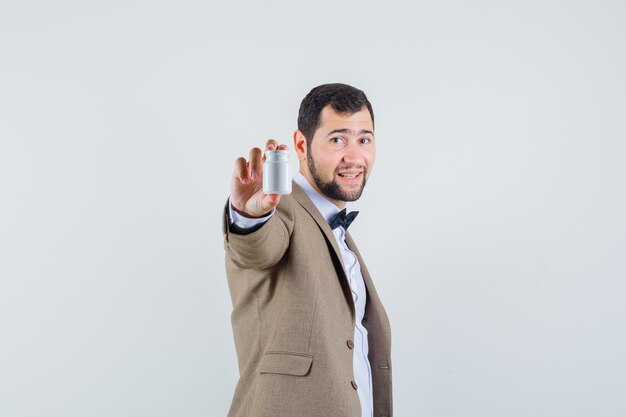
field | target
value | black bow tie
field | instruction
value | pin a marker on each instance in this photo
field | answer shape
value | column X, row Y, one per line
column 343, row 219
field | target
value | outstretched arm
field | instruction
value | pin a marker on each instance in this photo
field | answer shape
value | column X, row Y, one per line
column 256, row 227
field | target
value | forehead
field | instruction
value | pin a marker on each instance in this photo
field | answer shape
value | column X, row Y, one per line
column 331, row 120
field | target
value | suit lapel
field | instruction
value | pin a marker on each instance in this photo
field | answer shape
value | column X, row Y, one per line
column 303, row 199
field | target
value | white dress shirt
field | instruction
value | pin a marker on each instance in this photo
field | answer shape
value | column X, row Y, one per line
column 361, row 364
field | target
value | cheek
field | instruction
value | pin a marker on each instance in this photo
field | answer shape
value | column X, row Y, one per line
column 371, row 158
column 329, row 161
column 325, row 166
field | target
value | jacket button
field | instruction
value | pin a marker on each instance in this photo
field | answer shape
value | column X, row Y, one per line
column 354, row 385
column 350, row 344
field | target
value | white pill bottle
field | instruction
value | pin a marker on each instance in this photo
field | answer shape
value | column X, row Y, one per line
column 276, row 173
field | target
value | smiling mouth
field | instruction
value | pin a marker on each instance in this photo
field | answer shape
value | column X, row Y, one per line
column 350, row 176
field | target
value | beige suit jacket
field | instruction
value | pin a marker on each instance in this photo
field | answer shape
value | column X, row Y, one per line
column 293, row 319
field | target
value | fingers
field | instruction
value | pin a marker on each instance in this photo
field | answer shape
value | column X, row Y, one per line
column 241, row 169
column 271, row 144
column 256, row 162
column 253, row 168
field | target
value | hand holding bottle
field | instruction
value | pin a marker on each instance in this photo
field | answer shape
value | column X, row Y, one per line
column 246, row 187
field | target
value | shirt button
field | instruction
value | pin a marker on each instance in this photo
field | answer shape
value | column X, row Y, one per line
column 240, row 225
column 354, row 385
column 350, row 344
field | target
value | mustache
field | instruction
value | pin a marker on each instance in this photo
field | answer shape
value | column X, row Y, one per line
column 351, row 167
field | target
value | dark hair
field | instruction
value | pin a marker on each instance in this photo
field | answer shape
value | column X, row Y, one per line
column 342, row 99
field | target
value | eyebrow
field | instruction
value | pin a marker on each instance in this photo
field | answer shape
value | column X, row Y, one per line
column 352, row 132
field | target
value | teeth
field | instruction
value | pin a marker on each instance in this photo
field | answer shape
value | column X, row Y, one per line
column 349, row 176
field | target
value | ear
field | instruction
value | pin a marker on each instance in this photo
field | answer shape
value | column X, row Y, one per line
column 299, row 143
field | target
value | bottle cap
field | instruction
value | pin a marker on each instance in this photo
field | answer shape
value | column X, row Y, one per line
column 277, row 155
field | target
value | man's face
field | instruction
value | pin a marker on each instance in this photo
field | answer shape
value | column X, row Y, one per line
column 341, row 155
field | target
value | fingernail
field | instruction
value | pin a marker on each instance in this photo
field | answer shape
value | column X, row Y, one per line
column 253, row 175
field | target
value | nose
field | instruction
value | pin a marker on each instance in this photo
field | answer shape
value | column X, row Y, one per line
column 353, row 155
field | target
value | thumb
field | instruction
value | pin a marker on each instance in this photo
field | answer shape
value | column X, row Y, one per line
column 270, row 201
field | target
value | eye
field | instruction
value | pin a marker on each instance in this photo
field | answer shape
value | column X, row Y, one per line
column 365, row 140
column 336, row 140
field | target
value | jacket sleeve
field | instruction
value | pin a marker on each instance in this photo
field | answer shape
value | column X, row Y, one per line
column 265, row 245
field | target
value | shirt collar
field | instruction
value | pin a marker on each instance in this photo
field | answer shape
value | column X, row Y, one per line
column 328, row 210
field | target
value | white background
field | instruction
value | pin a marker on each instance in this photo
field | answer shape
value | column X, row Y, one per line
column 493, row 223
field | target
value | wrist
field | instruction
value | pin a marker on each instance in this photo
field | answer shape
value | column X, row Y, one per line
column 248, row 215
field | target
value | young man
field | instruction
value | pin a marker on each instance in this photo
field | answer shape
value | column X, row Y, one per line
column 311, row 334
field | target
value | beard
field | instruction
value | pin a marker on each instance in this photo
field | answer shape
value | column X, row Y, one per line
column 332, row 189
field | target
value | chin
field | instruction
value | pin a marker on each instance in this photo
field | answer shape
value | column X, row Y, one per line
column 352, row 194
